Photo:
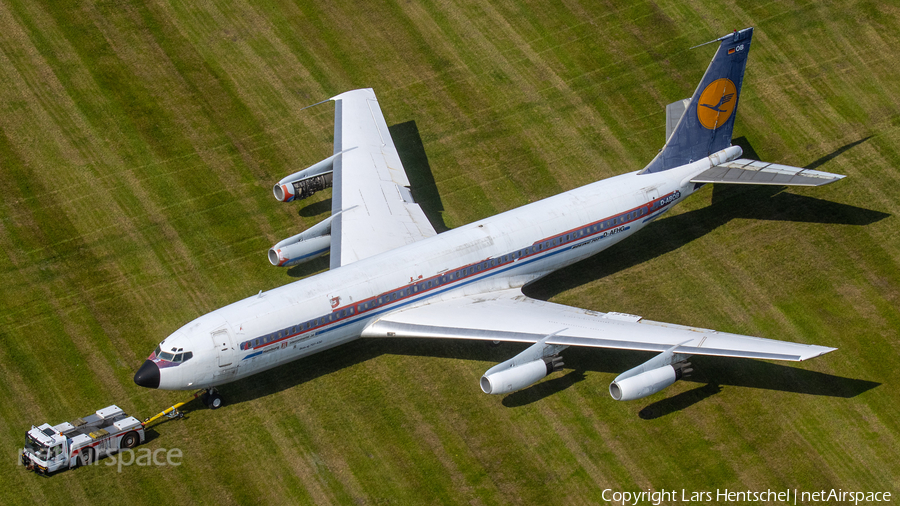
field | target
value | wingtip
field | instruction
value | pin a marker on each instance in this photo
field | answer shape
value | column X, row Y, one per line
column 819, row 351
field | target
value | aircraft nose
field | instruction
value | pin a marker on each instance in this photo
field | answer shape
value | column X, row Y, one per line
column 147, row 375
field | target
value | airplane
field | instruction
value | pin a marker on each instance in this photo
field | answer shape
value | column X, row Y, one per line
column 392, row 276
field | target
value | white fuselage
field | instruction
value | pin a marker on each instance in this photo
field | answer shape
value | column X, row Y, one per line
column 500, row 252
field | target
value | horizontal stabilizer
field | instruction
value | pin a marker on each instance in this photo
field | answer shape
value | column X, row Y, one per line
column 745, row 171
column 674, row 112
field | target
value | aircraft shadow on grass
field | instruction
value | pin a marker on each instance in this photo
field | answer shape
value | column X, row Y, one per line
column 670, row 233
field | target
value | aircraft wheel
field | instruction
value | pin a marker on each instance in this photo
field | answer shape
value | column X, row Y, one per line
column 214, row 401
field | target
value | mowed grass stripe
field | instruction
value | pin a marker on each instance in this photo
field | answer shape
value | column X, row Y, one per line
column 525, row 111
column 113, row 213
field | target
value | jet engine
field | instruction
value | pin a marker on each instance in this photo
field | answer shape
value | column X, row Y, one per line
column 303, row 247
column 301, row 185
column 303, row 250
column 535, row 363
column 651, row 376
column 520, row 376
column 648, row 383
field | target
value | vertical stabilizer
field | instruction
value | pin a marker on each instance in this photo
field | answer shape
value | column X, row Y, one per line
column 707, row 123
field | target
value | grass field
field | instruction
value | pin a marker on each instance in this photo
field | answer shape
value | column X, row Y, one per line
column 139, row 142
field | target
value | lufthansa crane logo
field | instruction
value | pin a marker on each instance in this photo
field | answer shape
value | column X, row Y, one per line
column 716, row 103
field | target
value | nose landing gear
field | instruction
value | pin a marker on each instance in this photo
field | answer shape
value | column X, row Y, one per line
column 212, row 399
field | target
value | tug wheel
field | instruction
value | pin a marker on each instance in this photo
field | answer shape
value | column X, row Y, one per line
column 130, row 440
column 86, row 457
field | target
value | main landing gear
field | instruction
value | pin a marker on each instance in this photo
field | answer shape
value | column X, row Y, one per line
column 212, row 399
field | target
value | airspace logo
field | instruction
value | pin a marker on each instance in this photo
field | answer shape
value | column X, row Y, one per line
column 716, row 103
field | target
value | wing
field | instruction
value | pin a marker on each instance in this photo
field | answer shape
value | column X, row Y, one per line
column 511, row 316
column 370, row 185
column 745, row 171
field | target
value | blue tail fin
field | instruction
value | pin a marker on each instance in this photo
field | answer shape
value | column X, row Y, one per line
column 707, row 123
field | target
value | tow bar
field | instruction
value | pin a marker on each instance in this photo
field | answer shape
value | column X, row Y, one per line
column 172, row 411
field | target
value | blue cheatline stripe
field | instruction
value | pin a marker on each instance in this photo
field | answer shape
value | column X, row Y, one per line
column 350, row 320
column 655, row 215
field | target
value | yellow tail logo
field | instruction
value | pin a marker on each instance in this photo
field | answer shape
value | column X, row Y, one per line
column 716, row 103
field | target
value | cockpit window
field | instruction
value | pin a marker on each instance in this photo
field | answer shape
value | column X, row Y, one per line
column 158, row 349
column 166, row 356
column 178, row 357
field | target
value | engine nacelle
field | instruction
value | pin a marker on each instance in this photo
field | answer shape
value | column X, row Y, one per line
column 301, row 185
column 305, row 246
column 299, row 190
column 299, row 252
column 519, row 377
column 647, row 383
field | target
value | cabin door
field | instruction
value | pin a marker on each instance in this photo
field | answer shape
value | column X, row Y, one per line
column 222, row 342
